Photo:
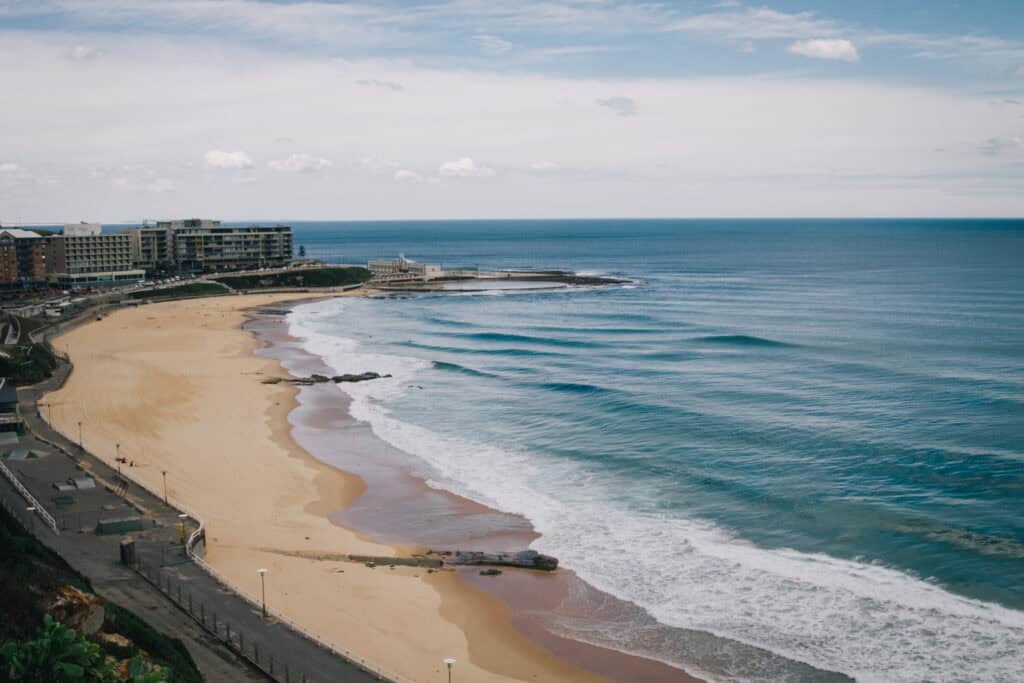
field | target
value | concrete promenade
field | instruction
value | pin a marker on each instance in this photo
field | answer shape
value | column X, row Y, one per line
column 226, row 635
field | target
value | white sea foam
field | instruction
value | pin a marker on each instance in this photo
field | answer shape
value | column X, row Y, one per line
column 868, row 621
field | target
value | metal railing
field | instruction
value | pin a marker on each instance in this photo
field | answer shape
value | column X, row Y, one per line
column 39, row 510
column 342, row 652
column 332, row 647
column 190, row 544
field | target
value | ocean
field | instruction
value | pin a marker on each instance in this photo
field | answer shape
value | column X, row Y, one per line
column 802, row 435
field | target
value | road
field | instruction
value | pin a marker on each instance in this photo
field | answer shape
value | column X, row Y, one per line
column 171, row 592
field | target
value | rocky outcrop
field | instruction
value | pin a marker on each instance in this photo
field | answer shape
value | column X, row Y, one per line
column 80, row 611
column 323, row 379
column 524, row 559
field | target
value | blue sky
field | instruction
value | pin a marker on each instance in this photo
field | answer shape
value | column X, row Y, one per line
column 582, row 107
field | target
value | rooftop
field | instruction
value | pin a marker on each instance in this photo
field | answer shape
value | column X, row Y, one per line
column 18, row 233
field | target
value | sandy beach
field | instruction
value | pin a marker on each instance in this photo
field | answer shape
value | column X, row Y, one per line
column 177, row 385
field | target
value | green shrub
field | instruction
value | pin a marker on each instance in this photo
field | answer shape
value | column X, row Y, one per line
column 189, row 289
column 59, row 655
column 302, row 277
column 28, row 364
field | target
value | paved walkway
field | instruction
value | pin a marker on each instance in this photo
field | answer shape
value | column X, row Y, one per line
column 169, row 591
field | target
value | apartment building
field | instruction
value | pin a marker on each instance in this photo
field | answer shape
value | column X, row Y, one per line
column 22, row 258
column 82, row 229
column 196, row 244
column 89, row 258
column 152, row 248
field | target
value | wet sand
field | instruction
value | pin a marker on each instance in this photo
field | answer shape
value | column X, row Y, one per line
column 399, row 507
column 177, row 384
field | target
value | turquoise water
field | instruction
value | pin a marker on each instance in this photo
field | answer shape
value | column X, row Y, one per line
column 807, row 436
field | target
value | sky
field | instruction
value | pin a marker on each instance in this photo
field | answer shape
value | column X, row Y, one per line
column 124, row 110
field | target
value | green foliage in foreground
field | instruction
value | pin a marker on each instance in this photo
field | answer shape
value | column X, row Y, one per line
column 28, row 364
column 59, row 655
column 300, row 277
column 168, row 652
column 189, row 289
column 29, row 571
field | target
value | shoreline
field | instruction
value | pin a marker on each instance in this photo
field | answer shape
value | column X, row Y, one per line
column 400, row 508
column 212, row 423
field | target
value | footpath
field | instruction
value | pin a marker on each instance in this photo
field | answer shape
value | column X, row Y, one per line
column 228, row 637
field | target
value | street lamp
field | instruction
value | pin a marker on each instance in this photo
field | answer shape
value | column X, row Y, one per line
column 80, row 447
column 164, row 472
column 263, row 589
column 449, row 662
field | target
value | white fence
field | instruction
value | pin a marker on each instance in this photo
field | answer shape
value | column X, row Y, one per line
column 39, row 510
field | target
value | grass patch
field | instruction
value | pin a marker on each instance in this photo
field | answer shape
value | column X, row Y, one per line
column 305, row 277
column 189, row 289
column 165, row 651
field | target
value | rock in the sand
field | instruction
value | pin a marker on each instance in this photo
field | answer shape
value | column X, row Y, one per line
column 323, row 379
column 363, row 377
column 527, row 559
column 490, row 572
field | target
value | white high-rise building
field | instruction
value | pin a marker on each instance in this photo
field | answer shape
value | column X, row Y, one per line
column 82, row 229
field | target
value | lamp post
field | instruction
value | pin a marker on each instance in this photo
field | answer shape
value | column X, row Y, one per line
column 164, row 472
column 118, row 458
column 263, row 589
column 449, row 662
column 80, row 447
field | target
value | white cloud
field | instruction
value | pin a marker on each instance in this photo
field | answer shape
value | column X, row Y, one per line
column 464, row 168
column 1018, row 70
column 492, row 45
column 84, row 53
column 160, row 185
column 747, row 47
column 9, row 168
column 387, row 85
column 825, row 48
column 378, row 165
column 1001, row 145
column 405, row 176
column 755, row 23
column 543, row 165
column 698, row 147
column 218, row 158
column 300, row 163
column 623, row 106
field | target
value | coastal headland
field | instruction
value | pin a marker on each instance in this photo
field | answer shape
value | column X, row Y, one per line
column 176, row 386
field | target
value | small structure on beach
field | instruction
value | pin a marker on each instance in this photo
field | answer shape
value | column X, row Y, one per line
column 403, row 269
